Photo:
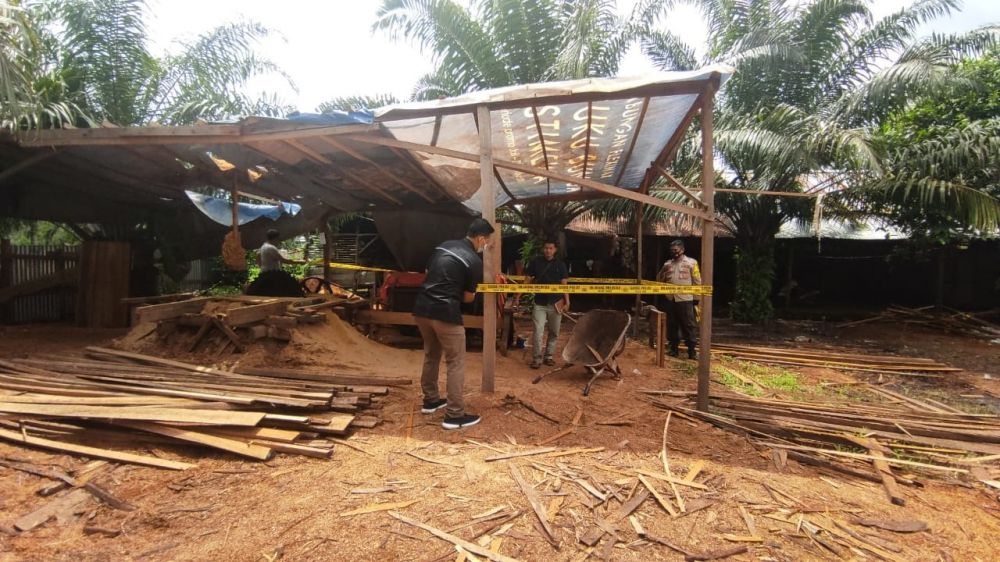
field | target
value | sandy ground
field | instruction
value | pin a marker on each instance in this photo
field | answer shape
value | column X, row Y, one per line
column 290, row 508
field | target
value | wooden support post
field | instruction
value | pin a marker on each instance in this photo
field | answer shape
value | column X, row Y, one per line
column 327, row 248
column 707, row 246
column 661, row 331
column 490, row 256
column 638, row 266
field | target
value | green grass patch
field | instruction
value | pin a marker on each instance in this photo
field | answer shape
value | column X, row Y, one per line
column 732, row 381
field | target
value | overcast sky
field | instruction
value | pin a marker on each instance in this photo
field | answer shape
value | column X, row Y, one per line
column 328, row 49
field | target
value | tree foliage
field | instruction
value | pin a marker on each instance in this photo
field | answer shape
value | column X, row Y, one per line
column 943, row 154
column 813, row 82
column 86, row 62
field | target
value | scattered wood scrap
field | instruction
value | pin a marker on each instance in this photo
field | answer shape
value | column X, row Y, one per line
column 826, row 434
column 77, row 404
column 944, row 319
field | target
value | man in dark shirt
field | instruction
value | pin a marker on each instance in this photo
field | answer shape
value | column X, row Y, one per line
column 548, row 309
column 453, row 272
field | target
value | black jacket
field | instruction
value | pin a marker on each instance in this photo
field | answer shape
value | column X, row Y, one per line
column 453, row 269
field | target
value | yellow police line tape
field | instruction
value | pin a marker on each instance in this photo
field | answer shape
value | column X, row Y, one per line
column 590, row 280
column 352, row 266
column 597, row 289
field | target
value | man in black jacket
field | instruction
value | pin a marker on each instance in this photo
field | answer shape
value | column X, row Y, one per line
column 453, row 272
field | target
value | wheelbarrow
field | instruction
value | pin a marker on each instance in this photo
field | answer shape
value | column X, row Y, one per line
column 597, row 339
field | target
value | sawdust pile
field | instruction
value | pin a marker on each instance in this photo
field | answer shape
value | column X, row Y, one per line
column 333, row 344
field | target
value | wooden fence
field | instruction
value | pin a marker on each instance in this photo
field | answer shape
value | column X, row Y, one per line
column 24, row 266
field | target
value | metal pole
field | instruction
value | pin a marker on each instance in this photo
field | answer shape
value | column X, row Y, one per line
column 707, row 246
column 490, row 257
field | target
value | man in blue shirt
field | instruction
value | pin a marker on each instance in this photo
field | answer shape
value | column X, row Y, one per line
column 453, row 272
column 547, row 311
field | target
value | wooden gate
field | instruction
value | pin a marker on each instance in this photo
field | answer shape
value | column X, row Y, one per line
column 37, row 283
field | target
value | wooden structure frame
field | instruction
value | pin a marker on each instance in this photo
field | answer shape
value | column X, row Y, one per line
column 359, row 167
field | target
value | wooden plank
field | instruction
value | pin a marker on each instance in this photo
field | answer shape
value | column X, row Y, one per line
column 536, row 503
column 93, row 451
column 60, row 507
column 117, row 400
column 135, row 414
column 671, row 479
column 376, row 507
column 405, row 318
column 166, row 311
column 295, row 449
column 255, row 313
column 471, row 547
column 664, row 503
column 231, row 445
column 268, row 433
column 882, row 469
column 593, row 536
column 520, row 454
column 229, row 333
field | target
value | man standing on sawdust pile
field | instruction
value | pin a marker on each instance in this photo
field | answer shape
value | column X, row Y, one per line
column 549, row 307
column 453, row 272
column 681, row 270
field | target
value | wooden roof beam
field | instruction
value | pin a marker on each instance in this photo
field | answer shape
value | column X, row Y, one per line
column 363, row 182
column 631, row 144
column 389, row 174
column 190, row 135
column 591, row 184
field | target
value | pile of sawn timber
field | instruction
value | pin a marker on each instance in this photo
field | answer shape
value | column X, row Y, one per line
column 909, row 435
column 69, row 404
column 242, row 319
column 848, row 361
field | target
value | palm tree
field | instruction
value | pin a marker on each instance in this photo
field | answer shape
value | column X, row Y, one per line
column 813, row 80
column 495, row 43
column 84, row 62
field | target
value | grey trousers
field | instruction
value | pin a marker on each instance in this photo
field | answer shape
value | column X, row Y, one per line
column 442, row 337
column 547, row 320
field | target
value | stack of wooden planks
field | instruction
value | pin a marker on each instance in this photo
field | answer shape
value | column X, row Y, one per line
column 70, row 403
column 236, row 321
column 938, row 318
column 910, row 434
column 804, row 357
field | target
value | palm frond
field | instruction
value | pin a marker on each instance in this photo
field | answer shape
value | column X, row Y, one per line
column 455, row 39
column 356, row 103
column 668, row 52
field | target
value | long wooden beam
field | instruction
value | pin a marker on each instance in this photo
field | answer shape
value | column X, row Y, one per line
column 363, row 182
column 631, row 144
column 707, row 244
column 556, row 97
column 378, row 168
column 591, row 184
column 491, row 256
column 192, row 134
column 677, row 185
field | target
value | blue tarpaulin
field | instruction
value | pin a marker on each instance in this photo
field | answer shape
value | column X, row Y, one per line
column 221, row 210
